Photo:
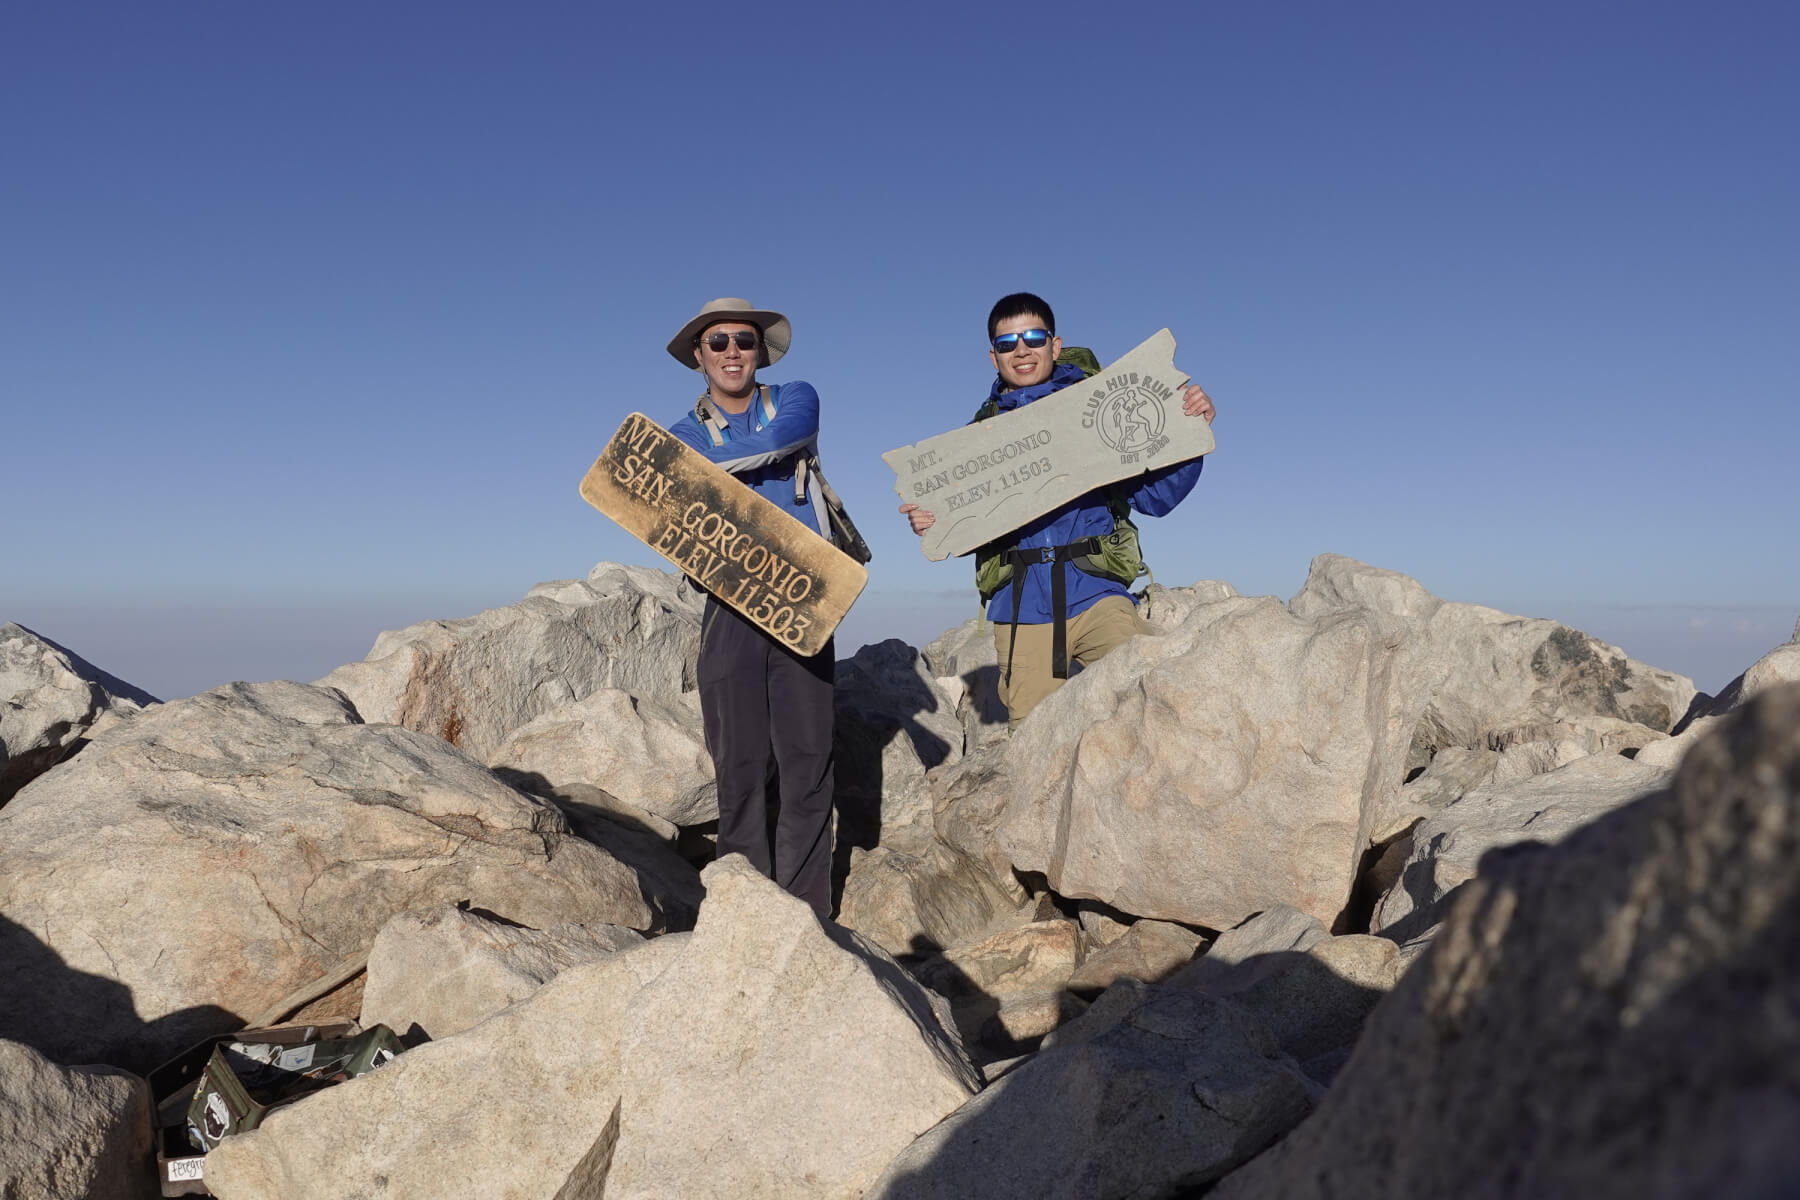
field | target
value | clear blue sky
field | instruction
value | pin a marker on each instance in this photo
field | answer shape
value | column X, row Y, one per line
column 312, row 316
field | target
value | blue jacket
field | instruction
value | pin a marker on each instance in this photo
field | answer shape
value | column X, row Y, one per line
column 755, row 453
column 1154, row 494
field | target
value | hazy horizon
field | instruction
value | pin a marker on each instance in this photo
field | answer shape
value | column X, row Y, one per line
column 184, row 650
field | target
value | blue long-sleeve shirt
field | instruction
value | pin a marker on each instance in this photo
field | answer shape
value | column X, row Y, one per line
column 1154, row 495
column 761, row 455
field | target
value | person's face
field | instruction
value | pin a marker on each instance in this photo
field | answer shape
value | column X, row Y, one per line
column 1022, row 366
column 731, row 370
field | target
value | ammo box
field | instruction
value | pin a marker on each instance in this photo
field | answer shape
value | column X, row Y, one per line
column 229, row 1083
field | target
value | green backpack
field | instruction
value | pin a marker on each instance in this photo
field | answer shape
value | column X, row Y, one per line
column 1118, row 556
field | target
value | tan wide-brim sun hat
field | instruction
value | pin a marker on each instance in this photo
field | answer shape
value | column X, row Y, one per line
column 777, row 334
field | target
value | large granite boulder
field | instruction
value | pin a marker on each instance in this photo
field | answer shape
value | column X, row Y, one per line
column 1472, row 678
column 1520, row 753
column 522, row 1106
column 968, row 804
column 913, row 904
column 1452, row 773
column 1780, row 665
column 1251, row 755
column 442, row 970
column 776, row 1057
column 1167, row 608
column 966, row 665
column 1151, row 1092
column 1484, row 678
column 1007, row 990
column 1147, row 951
column 1448, row 847
column 947, row 884
column 963, row 659
column 49, row 698
column 1609, row 1016
column 1212, row 772
column 648, row 751
column 474, row 681
column 205, row 859
column 72, row 1133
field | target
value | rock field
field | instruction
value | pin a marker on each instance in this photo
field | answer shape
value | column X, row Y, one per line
column 1364, row 894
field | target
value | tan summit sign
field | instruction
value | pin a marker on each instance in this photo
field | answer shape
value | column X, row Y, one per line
column 784, row 578
column 988, row 479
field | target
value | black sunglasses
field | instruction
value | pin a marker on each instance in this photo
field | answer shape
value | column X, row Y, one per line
column 1034, row 339
column 716, row 342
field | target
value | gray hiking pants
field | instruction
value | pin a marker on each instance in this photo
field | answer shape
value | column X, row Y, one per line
column 758, row 700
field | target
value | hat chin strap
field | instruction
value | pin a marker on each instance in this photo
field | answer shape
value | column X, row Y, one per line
column 748, row 397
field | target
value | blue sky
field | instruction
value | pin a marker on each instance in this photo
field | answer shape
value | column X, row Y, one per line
column 314, row 315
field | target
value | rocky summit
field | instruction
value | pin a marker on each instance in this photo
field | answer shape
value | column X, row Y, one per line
column 1359, row 894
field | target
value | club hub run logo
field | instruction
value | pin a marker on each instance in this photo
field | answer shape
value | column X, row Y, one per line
column 1129, row 412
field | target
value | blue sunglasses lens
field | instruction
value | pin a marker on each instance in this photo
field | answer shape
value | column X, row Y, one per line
column 1034, row 339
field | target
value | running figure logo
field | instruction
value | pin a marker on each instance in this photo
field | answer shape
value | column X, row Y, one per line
column 1130, row 420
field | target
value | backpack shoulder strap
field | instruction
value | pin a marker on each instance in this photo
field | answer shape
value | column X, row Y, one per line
column 708, row 418
column 711, row 420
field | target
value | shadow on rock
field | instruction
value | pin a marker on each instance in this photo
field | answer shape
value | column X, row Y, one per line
column 578, row 807
column 880, row 698
column 1429, row 907
column 668, row 883
column 982, row 685
column 974, row 1011
column 1152, row 1090
column 75, row 1018
column 1314, row 1013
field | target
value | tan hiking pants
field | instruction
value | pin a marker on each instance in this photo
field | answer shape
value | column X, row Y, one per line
column 1092, row 635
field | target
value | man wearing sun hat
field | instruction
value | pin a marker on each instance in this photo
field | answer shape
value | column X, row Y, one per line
column 759, row 700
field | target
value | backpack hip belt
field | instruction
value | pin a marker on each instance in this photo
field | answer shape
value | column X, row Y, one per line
column 1057, row 558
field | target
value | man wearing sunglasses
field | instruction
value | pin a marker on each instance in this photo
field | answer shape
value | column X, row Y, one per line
column 1097, row 612
column 759, row 700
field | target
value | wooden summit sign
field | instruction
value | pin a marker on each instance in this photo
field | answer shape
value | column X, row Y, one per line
column 784, row 578
column 989, row 478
